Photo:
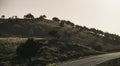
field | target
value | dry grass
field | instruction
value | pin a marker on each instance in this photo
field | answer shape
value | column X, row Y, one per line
column 16, row 39
column 13, row 40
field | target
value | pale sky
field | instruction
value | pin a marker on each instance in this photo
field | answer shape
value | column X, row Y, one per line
column 100, row 14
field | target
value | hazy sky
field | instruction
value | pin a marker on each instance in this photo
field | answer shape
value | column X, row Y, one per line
column 100, row 14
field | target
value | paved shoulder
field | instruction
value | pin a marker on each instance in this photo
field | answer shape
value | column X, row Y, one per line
column 92, row 61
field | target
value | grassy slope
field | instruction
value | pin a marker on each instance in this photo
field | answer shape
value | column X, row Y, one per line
column 72, row 43
column 26, row 27
column 41, row 27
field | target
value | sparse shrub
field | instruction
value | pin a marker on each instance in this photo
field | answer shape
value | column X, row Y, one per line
column 56, row 19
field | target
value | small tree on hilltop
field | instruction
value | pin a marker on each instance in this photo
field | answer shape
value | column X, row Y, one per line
column 42, row 17
column 29, row 16
column 3, row 16
column 56, row 19
column 16, row 17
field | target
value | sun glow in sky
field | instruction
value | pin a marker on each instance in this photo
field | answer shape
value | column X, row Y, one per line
column 100, row 14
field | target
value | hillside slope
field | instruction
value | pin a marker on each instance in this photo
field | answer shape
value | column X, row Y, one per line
column 62, row 30
column 66, row 41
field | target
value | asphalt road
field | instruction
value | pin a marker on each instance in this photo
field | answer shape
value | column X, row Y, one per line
column 93, row 60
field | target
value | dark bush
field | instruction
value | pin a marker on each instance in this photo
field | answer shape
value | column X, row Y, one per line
column 54, row 33
column 29, row 49
column 28, row 16
column 56, row 19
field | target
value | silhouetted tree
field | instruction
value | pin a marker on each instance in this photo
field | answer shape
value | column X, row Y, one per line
column 100, row 32
column 93, row 30
column 29, row 16
column 16, row 17
column 85, row 28
column 78, row 27
column 69, row 23
column 28, row 49
column 3, row 16
column 42, row 17
column 56, row 19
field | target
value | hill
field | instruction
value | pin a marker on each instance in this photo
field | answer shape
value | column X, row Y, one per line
column 65, row 40
column 60, row 29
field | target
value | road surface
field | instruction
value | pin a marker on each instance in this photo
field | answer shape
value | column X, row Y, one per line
column 93, row 60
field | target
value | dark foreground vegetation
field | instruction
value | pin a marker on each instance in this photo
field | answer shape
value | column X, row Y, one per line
column 42, row 52
column 62, row 41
